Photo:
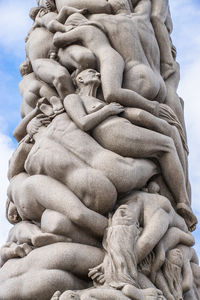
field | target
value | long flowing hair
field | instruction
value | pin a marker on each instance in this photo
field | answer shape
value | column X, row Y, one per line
column 120, row 264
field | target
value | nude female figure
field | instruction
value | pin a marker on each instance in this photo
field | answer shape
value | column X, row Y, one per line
column 47, row 269
column 119, row 135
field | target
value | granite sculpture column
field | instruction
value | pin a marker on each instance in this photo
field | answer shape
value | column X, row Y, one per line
column 99, row 195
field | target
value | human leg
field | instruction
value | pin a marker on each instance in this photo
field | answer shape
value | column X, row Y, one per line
column 59, row 198
column 53, row 73
column 125, row 173
column 57, row 223
column 47, row 269
column 158, row 18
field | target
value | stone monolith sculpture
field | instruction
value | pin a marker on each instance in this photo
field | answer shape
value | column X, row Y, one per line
column 99, row 195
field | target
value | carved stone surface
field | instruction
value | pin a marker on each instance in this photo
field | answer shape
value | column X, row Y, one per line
column 99, row 195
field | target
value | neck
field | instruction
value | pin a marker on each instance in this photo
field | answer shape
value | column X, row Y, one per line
column 88, row 90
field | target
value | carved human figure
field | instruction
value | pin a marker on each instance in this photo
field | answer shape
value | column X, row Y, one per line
column 104, row 293
column 131, row 236
column 24, row 236
column 32, row 89
column 119, row 135
column 61, row 139
column 95, row 6
column 112, row 64
column 46, row 69
column 13, row 250
column 74, row 56
column 160, row 14
column 58, row 266
column 30, row 201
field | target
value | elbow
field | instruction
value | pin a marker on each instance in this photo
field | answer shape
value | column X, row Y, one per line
column 110, row 97
column 17, row 136
column 84, row 126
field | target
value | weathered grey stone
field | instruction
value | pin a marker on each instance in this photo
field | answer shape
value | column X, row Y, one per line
column 99, row 195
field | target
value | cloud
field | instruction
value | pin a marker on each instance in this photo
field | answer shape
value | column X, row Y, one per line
column 6, row 150
column 14, row 24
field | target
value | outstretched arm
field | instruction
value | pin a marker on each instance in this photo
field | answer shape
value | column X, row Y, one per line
column 74, row 108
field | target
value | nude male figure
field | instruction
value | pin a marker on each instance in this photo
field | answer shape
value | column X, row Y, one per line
column 32, row 89
column 30, row 196
column 46, row 69
column 47, row 269
column 160, row 18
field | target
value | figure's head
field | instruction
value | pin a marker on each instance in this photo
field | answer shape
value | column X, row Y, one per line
column 33, row 12
column 12, row 214
column 69, row 295
column 120, row 5
column 50, row 4
column 87, row 77
column 25, row 68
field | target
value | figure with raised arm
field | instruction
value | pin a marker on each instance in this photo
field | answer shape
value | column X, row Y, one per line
column 121, row 136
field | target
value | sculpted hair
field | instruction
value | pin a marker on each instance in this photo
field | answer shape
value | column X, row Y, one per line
column 33, row 12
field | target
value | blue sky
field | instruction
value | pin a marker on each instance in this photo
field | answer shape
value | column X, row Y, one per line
column 14, row 24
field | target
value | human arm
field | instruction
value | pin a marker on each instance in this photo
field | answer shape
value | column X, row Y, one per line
column 67, row 11
column 20, row 131
column 74, row 108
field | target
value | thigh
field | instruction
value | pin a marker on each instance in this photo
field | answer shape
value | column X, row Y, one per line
column 47, row 70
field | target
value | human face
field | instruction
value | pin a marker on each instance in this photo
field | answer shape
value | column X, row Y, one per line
column 89, row 76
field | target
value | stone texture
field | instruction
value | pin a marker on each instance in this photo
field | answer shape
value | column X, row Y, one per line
column 99, row 195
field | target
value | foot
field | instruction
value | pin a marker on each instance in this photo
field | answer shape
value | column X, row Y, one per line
column 153, row 294
column 44, row 239
column 143, row 294
column 56, row 104
column 27, row 248
column 19, row 251
column 186, row 212
column 46, row 109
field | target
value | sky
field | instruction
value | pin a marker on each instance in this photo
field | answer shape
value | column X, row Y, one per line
column 14, row 25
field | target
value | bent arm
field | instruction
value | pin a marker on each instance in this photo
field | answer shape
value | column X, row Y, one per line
column 77, row 113
column 67, row 38
column 20, row 131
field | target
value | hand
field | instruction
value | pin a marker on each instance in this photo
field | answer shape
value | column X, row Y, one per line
column 35, row 124
column 114, row 108
column 97, row 274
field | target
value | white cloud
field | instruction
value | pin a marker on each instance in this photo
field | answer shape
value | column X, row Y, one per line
column 14, row 24
column 6, row 150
